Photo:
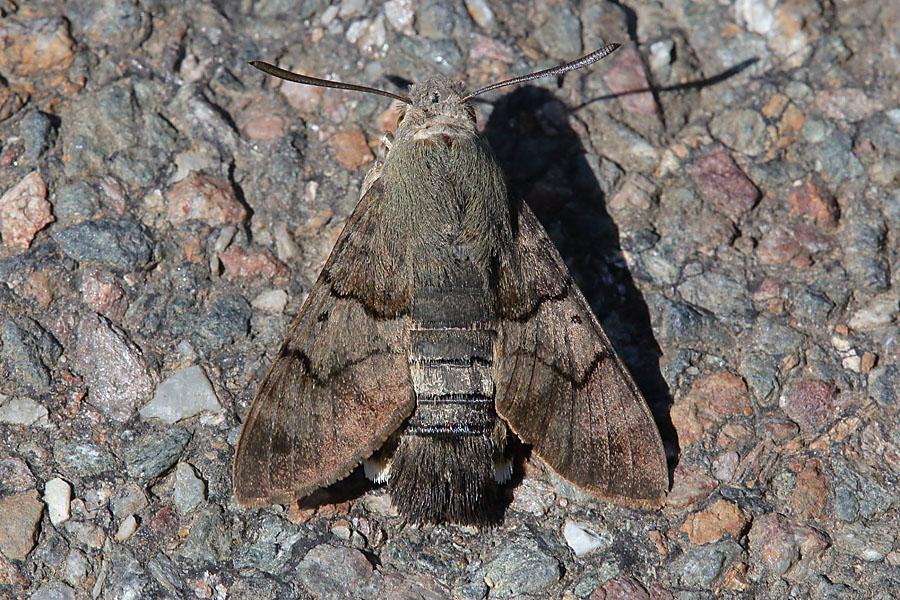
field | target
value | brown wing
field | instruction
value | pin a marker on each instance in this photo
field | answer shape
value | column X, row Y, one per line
column 340, row 384
column 561, row 386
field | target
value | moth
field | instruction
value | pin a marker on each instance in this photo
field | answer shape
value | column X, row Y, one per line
column 443, row 323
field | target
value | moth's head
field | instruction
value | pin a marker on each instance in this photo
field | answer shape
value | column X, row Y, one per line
column 436, row 108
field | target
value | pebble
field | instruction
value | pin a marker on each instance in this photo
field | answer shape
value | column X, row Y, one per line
column 117, row 378
column 715, row 521
column 27, row 350
column 722, row 183
column 77, row 567
column 351, row 148
column 128, row 500
column 813, row 202
column 582, row 538
column 246, row 263
column 54, row 591
column 262, row 122
column 75, row 202
column 203, row 198
column 560, row 34
column 521, row 567
column 181, row 396
column 10, row 102
column 38, row 132
column 228, row 317
column 190, row 490
column 848, row 104
column 57, row 496
column 741, row 129
column 701, row 566
column 86, row 533
column 811, row 404
column 871, row 541
column 34, row 47
column 332, row 572
column 627, row 79
column 19, row 517
column 126, row 528
column 878, row 312
column 208, row 539
column 117, row 244
column 82, row 460
column 102, row 294
column 22, row 411
column 690, row 485
column 481, row 13
column 155, row 452
column 621, row 588
column 884, row 385
column 15, row 476
column 272, row 301
column 711, row 400
column 401, row 16
column 24, row 211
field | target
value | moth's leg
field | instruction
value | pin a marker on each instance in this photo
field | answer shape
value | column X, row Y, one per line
column 384, row 145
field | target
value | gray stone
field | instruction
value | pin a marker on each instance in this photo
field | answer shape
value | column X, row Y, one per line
column 82, row 460
column 834, row 159
column 560, row 34
column 38, row 133
column 337, row 573
column 723, row 294
column 846, row 506
column 227, row 318
column 155, row 452
column 15, row 476
column 741, row 129
column 129, row 499
column 183, row 395
column 700, row 566
column 521, row 568
column 208, row 538
column 75, row 202
column 118, row 244
column 54, row 591
column 166, row 574
column 125, row 578
column 190, row 490
column 25, row 351
column 870, row 541
column 21, row 411
column 884, row 385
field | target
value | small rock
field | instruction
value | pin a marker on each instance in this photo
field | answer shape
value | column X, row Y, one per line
column 810, row 492
column 521, row 568
column 77, row 567
column 117, row 244
column 102, row 294
column 271, row 301
column 781, row 545
column 352, row 148
column 401, row 16
column 481, row 13
column 183, row 395
column 871, row 541
column 116, row 375
column 228, row 317
column 740, row 129
column 15, row 476
column 155, row 452
column 809, row 403
column 884, row 385
column 244, row 263
column 203, row 198
column 24, row 211
column 26, row 350
column 208, row 538
column 126, row 528
column 21, row 411
column 190, row 490
column 19, row 516
column 10, row 102
column 36, row 129
column 718, row 519
column 814, row 203
column 722, row 183
column 725, row 465
column 627, row 79
column 86, row 533
column 690, row 485
column 880, row 312
column 560, row 34
column 262, row 122
column 128, row 500
column 621, row 588
column 582, row 538
column 848, row 104
column 331, row 572
column 700, row 566
column 82, row 460
column 533, row 497
column 57, row 496
column 76, row 202
column 34, row 47
column 711, row 401
column 54, row 591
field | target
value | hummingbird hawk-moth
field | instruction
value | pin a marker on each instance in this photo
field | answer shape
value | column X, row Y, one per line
column 443, row 323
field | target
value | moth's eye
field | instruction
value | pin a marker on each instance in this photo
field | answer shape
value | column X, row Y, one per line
column 435, row 98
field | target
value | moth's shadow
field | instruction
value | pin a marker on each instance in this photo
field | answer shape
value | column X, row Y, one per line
column 546, row 164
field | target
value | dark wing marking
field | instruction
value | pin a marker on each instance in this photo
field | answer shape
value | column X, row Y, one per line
column 339, row 386
column 561, row 386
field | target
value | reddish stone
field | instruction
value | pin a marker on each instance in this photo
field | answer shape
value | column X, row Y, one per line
column 261, row 122
column 24, row 211
column 33, row 47
column 204, row 198
column 722, row 182
column 711, row 400
column 352, row 148
column 627, row 79
column 810, row 492
column 102, row 294
column 620, row 588
column 715, row 521
column 785, row 548
column 814, row 203
column 243, row 263
column 809, row 403
column 690, row 485
column 848, row 104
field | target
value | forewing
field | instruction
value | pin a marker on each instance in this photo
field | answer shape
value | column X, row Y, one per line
column 340, row 383
column 561, row 386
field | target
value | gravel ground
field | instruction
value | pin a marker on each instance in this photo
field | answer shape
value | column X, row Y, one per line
column 723, row 187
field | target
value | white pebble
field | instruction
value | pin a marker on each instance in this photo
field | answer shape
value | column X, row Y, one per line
column 271, row 301
column 581, row 538
column 21, row 411
column 183, row 395
column 126, row 529
column 58, row 496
